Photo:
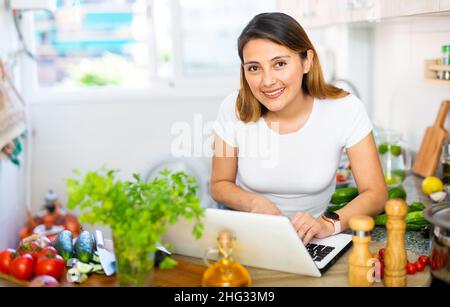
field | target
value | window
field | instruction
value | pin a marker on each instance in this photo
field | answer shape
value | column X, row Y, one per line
column 92, row 42
column 127, row 43
column 210, row 32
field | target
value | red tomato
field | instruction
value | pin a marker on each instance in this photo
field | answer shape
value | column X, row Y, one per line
column 382, row 270
column 381, row 253
column 22, row 267
column 31, row 248
column 47, row 250
column 6, row 257
column 50, row 264
column 340, row 177
column 410, row 268
column 419, row 266
column 425, row 260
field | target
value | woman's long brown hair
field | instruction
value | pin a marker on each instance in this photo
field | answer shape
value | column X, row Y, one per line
column 286, row 31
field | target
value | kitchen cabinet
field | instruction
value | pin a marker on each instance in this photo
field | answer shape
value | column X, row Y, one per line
column 412, row 7
column 366, row 10
column 319, row 13
column 314, row 13
column 444, row 5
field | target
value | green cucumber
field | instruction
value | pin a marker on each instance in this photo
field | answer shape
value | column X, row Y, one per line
column 97, row 268
column 71, row 262
column 381, row 219
column 84, row 268
column 63, row 244
column 336, row 207
column 83, row 277
column 96, row 258
column 416, row 217
column 73, row 275
column 415, row 227
column 397, row 192
column 416, row 206
column 343, row 195
column 84, row 247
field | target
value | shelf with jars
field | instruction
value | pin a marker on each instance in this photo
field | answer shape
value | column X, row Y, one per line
column 437, row 71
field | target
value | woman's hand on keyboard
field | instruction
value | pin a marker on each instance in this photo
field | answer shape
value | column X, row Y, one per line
column 308, row 227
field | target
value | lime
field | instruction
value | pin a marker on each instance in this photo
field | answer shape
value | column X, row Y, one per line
column 383, row 148
column 398, row 174
column 396, row 150
column 394, row 177
column 389, row 180
column 432, row 184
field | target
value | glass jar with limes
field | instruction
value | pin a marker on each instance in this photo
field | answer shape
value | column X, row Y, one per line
column 394, row 156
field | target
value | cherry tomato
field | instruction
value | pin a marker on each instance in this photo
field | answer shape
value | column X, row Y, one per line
column 50, row 264
column 419, row 266
column 425, row 260
column 22, row 267
column 381, row 253
column 6, row 257
column 410, row 268
column 47, row 250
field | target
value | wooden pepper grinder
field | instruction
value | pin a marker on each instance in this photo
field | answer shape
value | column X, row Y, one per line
column 395, row 255
column 359, row 265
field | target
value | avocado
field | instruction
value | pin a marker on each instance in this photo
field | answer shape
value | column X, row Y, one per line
column 84, row 247
column 63, row 244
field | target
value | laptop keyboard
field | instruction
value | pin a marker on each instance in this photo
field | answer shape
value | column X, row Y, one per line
column 318, row 252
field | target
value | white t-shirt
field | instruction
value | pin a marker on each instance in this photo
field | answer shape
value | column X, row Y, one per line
column 296, row 171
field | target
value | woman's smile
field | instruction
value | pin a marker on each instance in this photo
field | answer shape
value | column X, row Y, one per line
column 273, row 94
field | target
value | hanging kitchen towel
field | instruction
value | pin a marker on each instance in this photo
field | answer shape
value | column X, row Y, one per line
column 12, row 113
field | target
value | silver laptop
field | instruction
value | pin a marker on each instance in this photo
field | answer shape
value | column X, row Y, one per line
column 262, row 241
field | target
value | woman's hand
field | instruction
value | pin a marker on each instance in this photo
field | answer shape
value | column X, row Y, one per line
column 262, row 205
column 308, row 227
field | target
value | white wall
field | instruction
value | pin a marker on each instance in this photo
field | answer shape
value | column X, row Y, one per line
column 346, row 53
column 129, row 136
column 12, row 198
column 403, row 101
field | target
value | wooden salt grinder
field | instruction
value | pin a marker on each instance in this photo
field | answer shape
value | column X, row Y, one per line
column 359, row 266
column 395, row 254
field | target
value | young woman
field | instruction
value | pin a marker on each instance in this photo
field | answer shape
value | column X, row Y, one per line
column 305, row 122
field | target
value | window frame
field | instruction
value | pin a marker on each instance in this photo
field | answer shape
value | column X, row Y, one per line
column 176, row 87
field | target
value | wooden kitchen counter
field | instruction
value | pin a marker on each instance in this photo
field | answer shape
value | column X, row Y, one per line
column 190, row 270
column 336, row 276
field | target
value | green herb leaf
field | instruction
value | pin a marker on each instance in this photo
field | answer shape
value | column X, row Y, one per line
column 137, row 212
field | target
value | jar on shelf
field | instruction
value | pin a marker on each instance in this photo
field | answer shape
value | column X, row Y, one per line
column 446, row 55
column 445, row 74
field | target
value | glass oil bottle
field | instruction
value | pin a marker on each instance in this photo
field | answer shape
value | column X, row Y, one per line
column 226, row 272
